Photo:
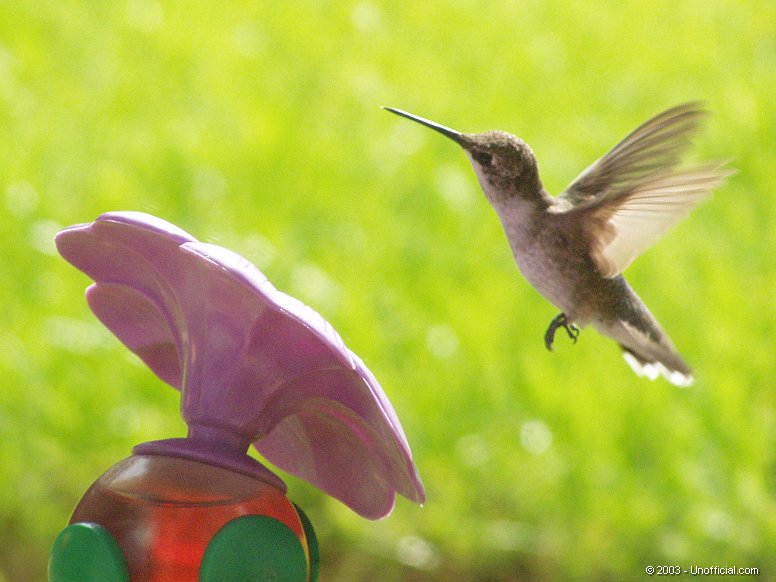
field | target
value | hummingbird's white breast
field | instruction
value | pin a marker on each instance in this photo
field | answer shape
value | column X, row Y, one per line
column 541, row 256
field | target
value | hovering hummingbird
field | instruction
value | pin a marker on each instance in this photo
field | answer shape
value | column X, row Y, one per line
column 573, row 247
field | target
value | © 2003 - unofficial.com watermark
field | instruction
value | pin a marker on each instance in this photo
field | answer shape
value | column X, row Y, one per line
column 702, row 571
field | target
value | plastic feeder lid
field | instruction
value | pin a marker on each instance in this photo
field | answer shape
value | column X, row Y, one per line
column 253, row 365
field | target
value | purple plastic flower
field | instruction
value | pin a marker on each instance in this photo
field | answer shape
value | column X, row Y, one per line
column 253, row 365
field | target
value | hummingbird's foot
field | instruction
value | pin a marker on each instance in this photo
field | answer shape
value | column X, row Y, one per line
column 560, row 321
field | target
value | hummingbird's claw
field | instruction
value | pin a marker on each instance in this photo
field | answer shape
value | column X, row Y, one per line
column 560, row 321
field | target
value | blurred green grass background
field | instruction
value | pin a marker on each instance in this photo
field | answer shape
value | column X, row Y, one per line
column 257, row 126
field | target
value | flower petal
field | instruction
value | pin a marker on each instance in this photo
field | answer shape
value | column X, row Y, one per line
column 139, row 324
column 320, row 416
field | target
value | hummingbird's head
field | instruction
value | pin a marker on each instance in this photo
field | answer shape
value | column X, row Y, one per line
column 505, row 165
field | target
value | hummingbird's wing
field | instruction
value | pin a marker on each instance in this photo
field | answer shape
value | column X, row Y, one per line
column 620, row 225
column 627, row 199
column 654, row 147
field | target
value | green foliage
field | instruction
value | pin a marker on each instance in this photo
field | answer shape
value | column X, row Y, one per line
column 256, row 126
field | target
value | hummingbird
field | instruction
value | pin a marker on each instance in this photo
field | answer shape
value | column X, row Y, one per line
column 574, row 246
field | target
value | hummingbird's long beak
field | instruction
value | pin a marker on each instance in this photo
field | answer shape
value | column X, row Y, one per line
column 456, row 136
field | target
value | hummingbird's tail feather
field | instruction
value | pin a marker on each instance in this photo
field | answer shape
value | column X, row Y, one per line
column 653, row 369
column 648, row 351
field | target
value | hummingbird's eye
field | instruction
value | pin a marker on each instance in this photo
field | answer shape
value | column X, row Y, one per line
column 483, row 158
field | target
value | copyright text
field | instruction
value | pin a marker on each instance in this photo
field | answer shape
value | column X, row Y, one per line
column 701, row 571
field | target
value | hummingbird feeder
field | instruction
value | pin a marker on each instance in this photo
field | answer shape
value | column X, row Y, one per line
column 254, row 367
